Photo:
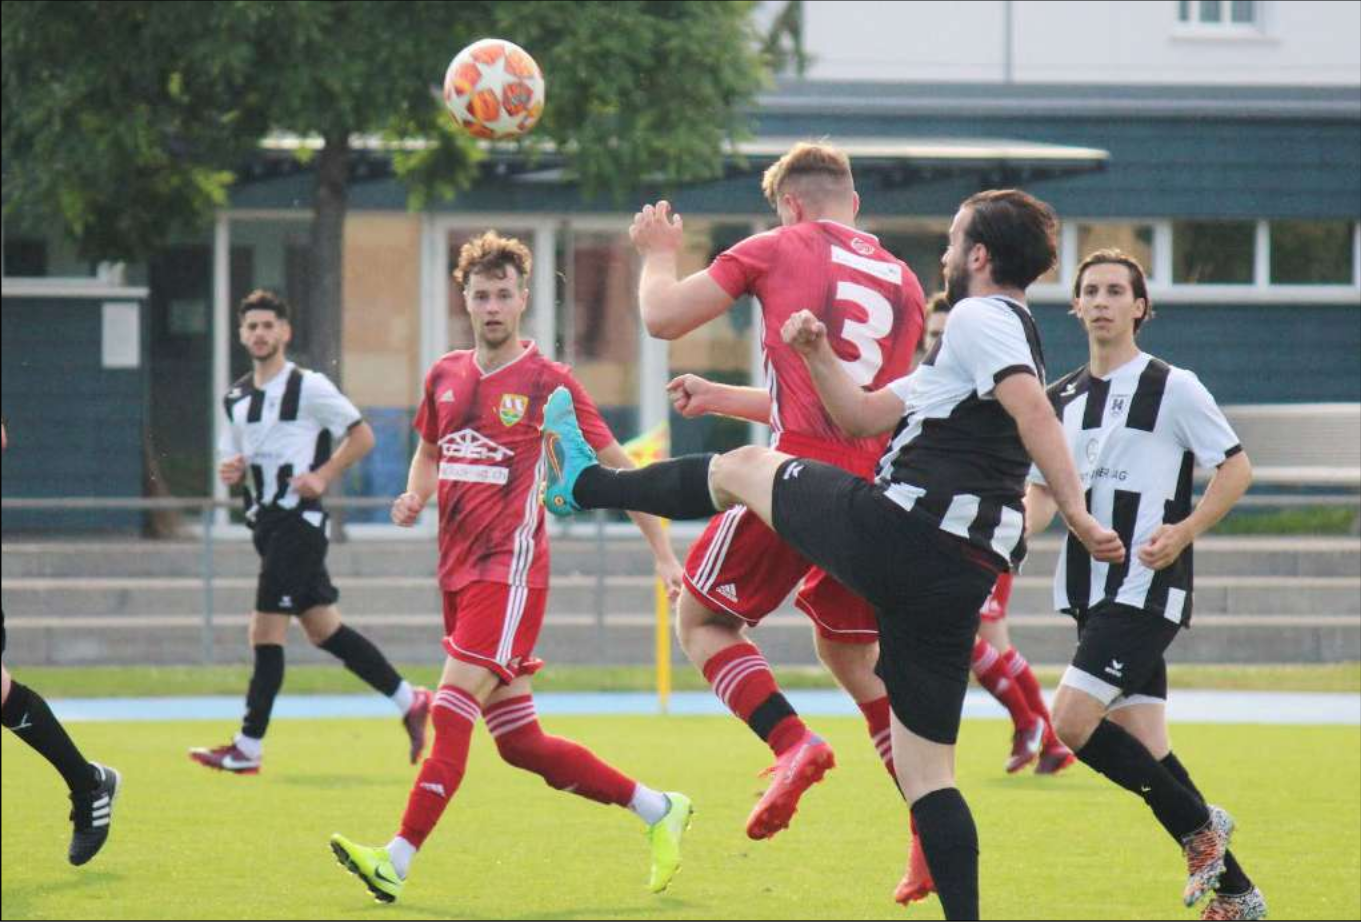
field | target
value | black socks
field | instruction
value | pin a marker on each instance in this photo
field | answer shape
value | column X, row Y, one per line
column 265, row 683
column 950, row 843
column 675, row 489
column 27, row 714
column 362, row 658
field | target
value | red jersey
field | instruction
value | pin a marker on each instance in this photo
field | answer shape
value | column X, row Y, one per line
column 869, row 299
column 488, row 428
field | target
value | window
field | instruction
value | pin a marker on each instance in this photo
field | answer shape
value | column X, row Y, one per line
column 921, row 248
column 1311, row 252
column 1218, row 12
column 1134, row 239
column 1213, row 252
column 601, row 331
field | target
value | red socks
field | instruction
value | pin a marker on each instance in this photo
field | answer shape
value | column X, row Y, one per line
column 1025, row 680
column 563, row 764
column 877, row 720
column 454, row 715
column 991, row 670
column 742, row 680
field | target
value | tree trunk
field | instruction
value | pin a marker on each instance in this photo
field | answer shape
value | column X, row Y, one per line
column 325, row 309
column 325, row 287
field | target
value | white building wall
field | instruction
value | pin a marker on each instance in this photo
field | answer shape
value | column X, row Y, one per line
column 1297, row 42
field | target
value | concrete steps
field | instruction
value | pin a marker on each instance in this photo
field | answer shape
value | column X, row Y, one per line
column 1257, row 600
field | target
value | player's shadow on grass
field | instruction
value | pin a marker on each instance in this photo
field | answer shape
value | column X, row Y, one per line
column 332, row 782
column 19, row 898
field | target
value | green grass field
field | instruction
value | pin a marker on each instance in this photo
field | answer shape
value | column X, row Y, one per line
column 156, row 681
column 191, row 844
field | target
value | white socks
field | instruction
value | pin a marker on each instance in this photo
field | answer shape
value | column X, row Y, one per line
column 249, row 745
column 400, row 852
column 650, row 805
column 403, row 697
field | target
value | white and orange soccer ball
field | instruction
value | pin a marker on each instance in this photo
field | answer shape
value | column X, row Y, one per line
column 494, row 89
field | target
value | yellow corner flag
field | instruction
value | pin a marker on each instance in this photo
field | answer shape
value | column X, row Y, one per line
column 643, row 449
column 649, row 446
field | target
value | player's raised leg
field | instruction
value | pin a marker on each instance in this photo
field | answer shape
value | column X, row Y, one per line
column 673, row 489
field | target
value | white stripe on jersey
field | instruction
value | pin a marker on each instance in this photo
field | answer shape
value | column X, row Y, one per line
column 963, row 510
column 880, row 269
column 521, row 560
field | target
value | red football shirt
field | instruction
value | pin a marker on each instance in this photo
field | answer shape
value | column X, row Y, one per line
column 869, row 299
column 488, row 428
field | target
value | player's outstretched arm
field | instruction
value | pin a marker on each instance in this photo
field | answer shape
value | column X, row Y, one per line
column 693, row 396
column 857, row 412
column 671, row 307
column 1022, row 397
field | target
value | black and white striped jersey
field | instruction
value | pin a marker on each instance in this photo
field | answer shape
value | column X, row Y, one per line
column 1136, row 436
column 956, row 457
column 284, row 429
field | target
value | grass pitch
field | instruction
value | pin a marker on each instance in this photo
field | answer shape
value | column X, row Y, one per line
column 191, row 844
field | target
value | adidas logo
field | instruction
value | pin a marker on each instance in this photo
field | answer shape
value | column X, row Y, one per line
column 728, row 591
column 434, row 788
column 285, row 601
column 447, row 396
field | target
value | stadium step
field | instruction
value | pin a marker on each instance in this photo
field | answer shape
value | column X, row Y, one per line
column 582, row 553
column 1257, row 600
column 1238, row 595
column 578, row 638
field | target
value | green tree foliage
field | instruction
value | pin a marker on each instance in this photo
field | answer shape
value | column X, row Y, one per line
column 126, row 122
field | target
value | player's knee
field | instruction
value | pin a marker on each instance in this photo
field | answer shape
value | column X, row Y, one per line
column 1073, row 726
column 725, row 472
column 523, row 747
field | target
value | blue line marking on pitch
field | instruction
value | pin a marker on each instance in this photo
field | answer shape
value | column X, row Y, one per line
column 1227, row 707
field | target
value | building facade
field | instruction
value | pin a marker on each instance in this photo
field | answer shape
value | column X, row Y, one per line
column 1220, row 142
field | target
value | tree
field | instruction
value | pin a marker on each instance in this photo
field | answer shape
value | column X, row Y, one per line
column 126, row 122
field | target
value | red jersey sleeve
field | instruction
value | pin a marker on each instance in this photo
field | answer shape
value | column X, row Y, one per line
column 593, row 425
column 427, row 420
column 738, row 269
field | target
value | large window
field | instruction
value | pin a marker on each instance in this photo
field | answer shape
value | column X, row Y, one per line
column 1311, row 252
column 1133, row 239
column 1213, row 252
column 921, row 246
column 1218, row 12
column 720, row 350
column 600, row 322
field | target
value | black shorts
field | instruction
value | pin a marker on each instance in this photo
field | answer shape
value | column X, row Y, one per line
column 1119, row 658
column 925, row 590
column 292, row 548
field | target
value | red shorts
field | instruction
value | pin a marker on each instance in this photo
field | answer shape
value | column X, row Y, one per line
column 995, row 608
column 495, row 626
column 739, row 566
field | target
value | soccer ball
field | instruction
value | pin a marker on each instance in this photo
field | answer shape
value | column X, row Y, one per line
column 494, row 89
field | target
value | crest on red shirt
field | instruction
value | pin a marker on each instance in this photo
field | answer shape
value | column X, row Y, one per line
column 512, row 408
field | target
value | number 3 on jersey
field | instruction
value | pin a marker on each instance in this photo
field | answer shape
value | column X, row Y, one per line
column 865, row 334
